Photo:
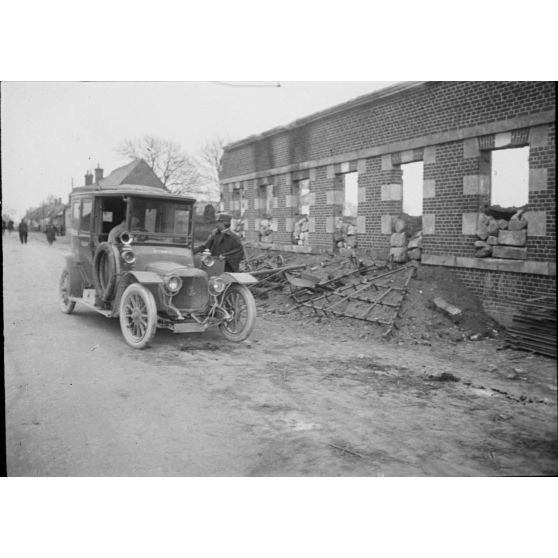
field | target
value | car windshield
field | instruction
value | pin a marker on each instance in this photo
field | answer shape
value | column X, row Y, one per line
column 160, row 220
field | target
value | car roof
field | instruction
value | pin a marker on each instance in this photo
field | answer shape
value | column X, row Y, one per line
column 134, row 190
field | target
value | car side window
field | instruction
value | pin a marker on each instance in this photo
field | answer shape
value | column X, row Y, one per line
column 75, row 217
column 85, row 222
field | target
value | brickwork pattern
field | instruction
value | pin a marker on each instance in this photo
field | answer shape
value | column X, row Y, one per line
column 500, row 291
column 434, row 107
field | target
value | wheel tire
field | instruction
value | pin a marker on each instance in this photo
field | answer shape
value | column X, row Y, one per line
column 67, row 306
column 138, row 316
column 239, row 302
column 106, row 267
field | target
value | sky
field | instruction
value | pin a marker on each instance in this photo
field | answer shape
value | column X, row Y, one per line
column 53, row 132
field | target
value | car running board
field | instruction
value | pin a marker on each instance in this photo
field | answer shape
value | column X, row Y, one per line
column 106, row 313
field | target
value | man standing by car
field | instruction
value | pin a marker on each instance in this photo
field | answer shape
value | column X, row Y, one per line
column 224, row 244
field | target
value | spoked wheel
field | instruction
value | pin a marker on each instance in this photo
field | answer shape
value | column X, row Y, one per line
column 239, row 302
column 66, row 305
column 138, row 316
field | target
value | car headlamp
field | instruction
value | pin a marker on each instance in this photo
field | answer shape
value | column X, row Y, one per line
column 173, row 284
column 216, row 285
column 207, row 259
column 128, row 256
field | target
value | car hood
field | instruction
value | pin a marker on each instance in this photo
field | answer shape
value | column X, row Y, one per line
column 168, row 268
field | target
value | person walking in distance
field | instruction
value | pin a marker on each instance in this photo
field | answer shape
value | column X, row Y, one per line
column 224, row 244
column 23, row 231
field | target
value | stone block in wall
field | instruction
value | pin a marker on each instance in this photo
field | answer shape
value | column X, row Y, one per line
column 502, row 224
column 288, row 179
column 345, row 167
column 516, row 224
column 471, row 148
column 484, row 252
column 492, row 226
column 407, row 156
column 256, row 203
column 538, row 179
column 429, row 155
column 289, row 224
column 503, row 139
column 387, row 224
column 361, row 166
column 476, row 184
column 481, row 243
column 361, row 195
column 415, row 242
column 398, row 239
column 509, row 252
column 386, row 162
column 289, row 200
column 330, row 171
column 275, row 203
column 392, row 192
column 512, row 238
column 492, row 240
column 428, row 223
column 312, row 224
column 398, row 254
column 312, row 175
column 429, row 188
column 538, row 136
column 361, row 224
column 400, row 225
column 330, row 197
column 330, row 225
column 414, row 253
column 311, row 199
column 469, row 225
column 536, row 223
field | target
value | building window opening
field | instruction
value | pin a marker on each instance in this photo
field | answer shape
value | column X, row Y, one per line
column 346, row 222
column 239, row 206
column 509, row 177
column 301, row 194
column 265, row 195
column 412, row 176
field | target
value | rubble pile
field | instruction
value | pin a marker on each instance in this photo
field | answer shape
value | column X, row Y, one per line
column 364, row 297
column 500, row 236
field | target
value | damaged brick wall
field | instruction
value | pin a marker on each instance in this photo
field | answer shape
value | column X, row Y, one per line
column 451, row 127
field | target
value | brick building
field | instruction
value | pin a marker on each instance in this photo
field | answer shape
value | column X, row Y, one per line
column 455, row 132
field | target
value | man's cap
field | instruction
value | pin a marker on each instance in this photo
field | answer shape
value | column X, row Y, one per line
column 224, row 217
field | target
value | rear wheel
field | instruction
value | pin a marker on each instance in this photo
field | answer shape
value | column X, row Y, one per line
column 66, row 305
column 138, row 316
column 239, row 303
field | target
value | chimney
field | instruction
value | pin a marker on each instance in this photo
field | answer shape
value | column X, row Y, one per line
column 89, row 178
column 98, row 174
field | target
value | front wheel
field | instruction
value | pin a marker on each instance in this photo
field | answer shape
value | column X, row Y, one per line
column 138, row 316
column 66, row 305
column 239, row 303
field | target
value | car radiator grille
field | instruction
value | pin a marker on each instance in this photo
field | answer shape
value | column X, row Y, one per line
column 193, row 295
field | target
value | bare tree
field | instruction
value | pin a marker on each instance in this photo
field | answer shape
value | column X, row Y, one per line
column 174, row 167
column 209, row 165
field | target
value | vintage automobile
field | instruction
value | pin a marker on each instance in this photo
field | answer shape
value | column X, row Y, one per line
column 149, row 277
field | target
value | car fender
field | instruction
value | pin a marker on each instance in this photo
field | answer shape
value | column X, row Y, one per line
column 242, row 278
column 76, row 277
column 143, row 277
column 148, row 278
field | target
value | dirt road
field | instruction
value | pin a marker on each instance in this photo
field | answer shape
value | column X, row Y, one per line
column 291, row 401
